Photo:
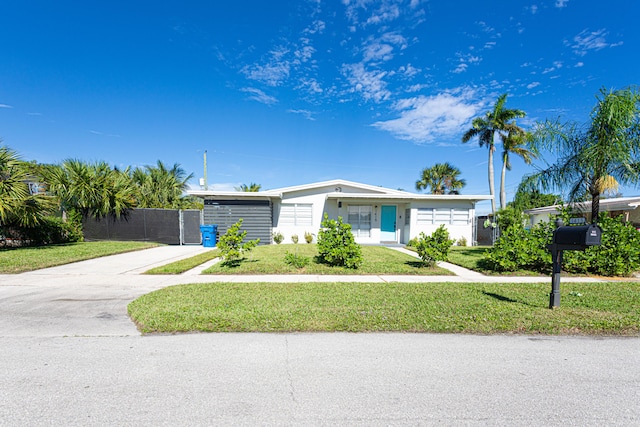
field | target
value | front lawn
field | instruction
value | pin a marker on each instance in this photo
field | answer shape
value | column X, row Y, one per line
column 183, row 265
column 18, row 260
column 269, row 259
column 478, row 308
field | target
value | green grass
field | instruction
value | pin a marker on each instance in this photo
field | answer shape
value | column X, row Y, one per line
column 269, row 259
column 588, row 309
column 467, row 256
column 19, row 260
column 470, row 257
column 185, row 264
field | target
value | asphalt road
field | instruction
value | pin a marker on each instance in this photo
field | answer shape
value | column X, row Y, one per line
column 70, row 356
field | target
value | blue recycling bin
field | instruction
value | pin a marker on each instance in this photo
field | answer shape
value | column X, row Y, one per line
column 209, row 235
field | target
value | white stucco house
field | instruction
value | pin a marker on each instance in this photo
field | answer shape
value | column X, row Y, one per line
column 625, row 206
column 376, row 214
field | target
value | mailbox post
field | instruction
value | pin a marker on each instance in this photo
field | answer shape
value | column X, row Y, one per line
column 569, row 238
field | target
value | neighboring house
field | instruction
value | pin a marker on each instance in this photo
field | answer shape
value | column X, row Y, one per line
column 376, row 214
column 625, row 206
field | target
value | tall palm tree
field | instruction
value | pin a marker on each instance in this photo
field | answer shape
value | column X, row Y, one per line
column 251, row 188
column 594, row 157
column 514, row 142
column 441, row 178
column 495, row 122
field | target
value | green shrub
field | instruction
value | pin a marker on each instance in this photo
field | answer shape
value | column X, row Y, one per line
column 520, row 249
column 308, row 237
column 618, row 255
column 296, row 260
column 231, row 244
column 461, row 241
column 277, row 237
column 51, row 230
column 434, row 247
column 336, row 245
column 294, row 238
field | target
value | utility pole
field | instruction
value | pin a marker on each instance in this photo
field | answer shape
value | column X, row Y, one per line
column 206, row 186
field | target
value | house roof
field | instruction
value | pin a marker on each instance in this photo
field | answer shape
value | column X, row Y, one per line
column 367, row 192
column 606, row 205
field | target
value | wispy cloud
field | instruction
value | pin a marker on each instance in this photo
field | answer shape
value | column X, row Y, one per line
column 591, row 40
column 273, row 72
column 465, row 60
column 259, row 96
column 306, row 113
column 34, row 114
column 533, row 84
column 561, row 3
column 381, row 48
column 6, row 106
column 378, row 12
column 369, row 84
column 425, row 119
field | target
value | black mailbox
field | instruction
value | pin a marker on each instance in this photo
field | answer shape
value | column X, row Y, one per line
column 580, row 236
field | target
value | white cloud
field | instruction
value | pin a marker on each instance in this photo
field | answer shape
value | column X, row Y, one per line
column 591, row 40
column 533, row 9
column 306, row 113
column 408, row 70
column 561, row 3
column 425, row 119
column 532, row 85
column 579, row 64
column 5, row 106
column 259, row 96
column 461, row 68
column 369, row 84
column 381, row 48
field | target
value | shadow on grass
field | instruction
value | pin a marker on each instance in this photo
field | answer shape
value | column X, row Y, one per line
column 417, row 264
column 507, row 299
column 236, row 262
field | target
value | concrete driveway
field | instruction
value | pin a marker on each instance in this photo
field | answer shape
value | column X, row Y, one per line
column 70, row 356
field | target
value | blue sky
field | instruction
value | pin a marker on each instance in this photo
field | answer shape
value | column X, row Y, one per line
column 290, row 92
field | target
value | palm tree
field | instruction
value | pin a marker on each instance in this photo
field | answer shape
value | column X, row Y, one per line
column 251, row 188
column 594, row 157
column 18, row 207
column 497, row 121
column 513, row 142
column 441, row 177
column 161, row 187
column 93, row 190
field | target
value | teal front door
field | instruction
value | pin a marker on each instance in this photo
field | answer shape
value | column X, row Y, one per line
column 388, row 224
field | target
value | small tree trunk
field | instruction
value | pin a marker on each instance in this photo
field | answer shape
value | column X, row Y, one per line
column 595, row 207
column 503, row 193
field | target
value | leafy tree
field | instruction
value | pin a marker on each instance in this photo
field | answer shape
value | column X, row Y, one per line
column 232, row 245
column 441, row 178
column 531, row 199
column 514, row 142
column 18, row 207
column 336, row 245
column 593, row 157
column 251, row 188
column 499, row 121
column 162, row 187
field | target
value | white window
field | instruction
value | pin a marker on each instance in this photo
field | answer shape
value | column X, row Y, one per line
column 460, row 217
column 360, row 219
column 296, row 214
column 424, row 216
column 407, row 217
column 442, row 216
